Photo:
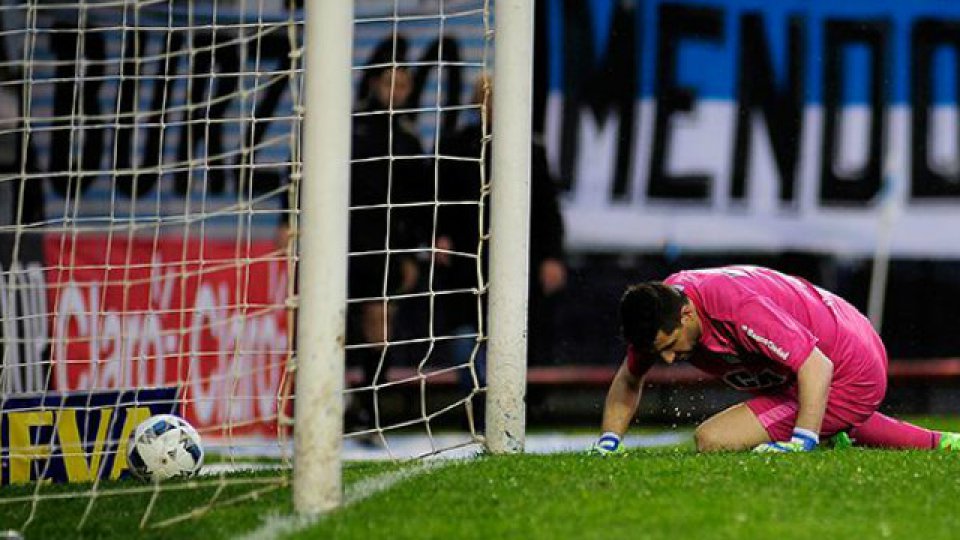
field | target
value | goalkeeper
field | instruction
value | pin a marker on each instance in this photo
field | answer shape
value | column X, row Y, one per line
column 814, row 364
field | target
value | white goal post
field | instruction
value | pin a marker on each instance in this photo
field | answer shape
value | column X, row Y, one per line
column 510, row 226
column 317, row 479
column 324, row 204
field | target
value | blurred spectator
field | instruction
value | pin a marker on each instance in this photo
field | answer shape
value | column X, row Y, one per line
column 459, row 236
column 388, row 168
column 13, row 209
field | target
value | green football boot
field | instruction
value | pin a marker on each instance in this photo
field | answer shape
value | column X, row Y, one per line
column 949, row 441
column 840, row 441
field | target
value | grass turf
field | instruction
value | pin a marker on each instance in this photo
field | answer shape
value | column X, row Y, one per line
column 662, row 493
column 240, row 505
column 668, row 494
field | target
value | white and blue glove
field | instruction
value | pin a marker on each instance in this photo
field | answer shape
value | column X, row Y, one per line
column 608, row 444
column 803, row 440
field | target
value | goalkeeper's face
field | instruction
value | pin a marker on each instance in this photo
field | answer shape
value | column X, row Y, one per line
column 680, row 343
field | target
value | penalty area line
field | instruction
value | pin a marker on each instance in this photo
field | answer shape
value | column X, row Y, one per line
column 277, row 526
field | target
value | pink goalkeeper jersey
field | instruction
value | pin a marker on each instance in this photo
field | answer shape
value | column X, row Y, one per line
column 759, row 326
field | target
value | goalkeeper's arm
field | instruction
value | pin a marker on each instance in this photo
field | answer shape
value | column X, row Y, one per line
column 619, row 408
column 622, row 401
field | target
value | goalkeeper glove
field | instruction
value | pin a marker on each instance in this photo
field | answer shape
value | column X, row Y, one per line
column 608, row 444
column 803, row 440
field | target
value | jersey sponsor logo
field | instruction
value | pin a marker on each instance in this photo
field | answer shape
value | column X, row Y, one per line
column 748, row 380
column 784, row 355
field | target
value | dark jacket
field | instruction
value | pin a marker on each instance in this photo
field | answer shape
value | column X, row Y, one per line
column 460, row 181
column 376, row 181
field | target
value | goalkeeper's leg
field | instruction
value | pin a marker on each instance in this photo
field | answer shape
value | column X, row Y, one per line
column 881, row 431
column 778, row 414
column 736, row 428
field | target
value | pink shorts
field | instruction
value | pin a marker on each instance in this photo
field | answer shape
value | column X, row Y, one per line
column 849, row 404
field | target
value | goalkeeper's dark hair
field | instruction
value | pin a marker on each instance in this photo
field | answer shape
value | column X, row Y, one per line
column 646, row 308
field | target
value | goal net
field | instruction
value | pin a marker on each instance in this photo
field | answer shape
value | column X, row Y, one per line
column 151, row 165
column 414, row 328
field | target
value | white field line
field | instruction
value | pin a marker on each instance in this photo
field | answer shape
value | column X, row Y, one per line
column 277, row 526
column 405, row 446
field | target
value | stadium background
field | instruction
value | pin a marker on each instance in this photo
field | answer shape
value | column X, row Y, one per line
column 683, row 134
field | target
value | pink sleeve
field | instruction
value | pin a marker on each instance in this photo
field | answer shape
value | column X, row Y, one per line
column 762, row 327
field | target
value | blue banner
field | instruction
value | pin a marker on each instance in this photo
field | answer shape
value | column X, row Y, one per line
column 745, row 124
column 711, row 43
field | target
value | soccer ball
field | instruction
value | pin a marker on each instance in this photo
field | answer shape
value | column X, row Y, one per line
column 164, row 446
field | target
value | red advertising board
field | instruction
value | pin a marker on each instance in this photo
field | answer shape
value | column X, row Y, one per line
column 207, row 316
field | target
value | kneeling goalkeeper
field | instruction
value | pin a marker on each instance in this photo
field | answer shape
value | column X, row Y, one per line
column 814, row 364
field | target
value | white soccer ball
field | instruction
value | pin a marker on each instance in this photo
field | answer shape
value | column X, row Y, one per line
column 164, row 446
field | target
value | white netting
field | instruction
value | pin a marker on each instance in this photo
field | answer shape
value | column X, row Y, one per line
column 415, row 323
column 149, row 154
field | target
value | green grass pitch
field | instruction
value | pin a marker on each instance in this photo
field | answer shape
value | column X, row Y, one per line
column 660, row 493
